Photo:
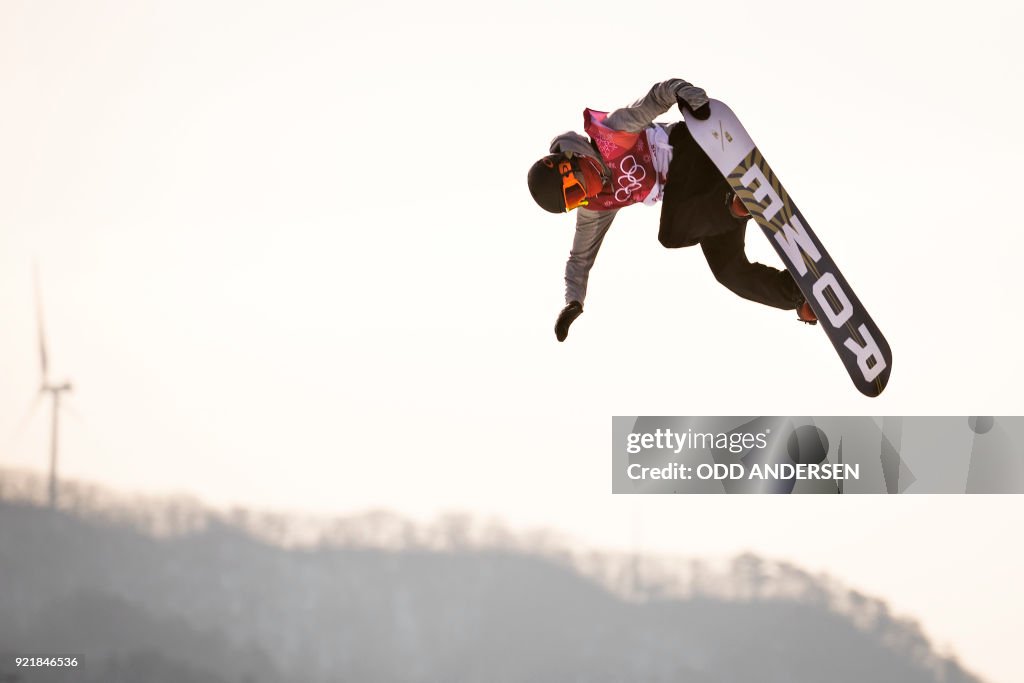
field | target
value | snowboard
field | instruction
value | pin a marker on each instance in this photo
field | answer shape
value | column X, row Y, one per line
column 858, row 341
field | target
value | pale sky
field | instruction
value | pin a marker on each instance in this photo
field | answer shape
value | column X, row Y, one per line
column 289, row 260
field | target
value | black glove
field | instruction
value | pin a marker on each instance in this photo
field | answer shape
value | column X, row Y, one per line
column 701, row 113
column 571, row 311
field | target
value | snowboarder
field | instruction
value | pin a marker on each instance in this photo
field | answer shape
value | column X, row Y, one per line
column 629, row 159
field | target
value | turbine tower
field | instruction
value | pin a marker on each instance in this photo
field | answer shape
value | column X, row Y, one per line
column 54, row 389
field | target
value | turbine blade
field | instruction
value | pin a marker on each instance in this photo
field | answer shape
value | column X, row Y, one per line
column 26, row 419
column 69, row 408
column 43, row 357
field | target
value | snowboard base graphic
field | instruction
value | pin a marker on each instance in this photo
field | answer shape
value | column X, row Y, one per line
column 858, row 341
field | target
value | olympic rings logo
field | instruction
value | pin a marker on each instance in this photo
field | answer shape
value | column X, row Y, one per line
column 629, row 180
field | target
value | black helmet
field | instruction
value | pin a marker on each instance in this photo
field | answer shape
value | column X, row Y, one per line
column 551, row 178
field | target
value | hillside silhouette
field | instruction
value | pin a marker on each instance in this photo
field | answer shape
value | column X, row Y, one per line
column 156, row 591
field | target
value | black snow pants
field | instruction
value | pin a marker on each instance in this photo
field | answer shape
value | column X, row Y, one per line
column 694, row 211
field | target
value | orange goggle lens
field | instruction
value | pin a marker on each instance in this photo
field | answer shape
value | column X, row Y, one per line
column 572, row 189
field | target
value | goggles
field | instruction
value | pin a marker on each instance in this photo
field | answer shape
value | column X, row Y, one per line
column 573, row 192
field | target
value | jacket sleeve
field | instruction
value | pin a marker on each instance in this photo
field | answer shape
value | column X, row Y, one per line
column 572, row 141
column 659, row 100
column 591, row 227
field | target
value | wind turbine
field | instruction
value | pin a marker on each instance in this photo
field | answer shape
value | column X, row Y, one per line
column 54, row 389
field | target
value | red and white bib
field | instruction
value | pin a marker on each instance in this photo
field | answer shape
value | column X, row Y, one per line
column 629, row 158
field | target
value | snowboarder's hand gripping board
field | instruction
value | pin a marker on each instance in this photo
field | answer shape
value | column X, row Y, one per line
column 855, row 336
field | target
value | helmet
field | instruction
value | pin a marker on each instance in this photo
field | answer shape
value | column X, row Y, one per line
column 555, row 183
